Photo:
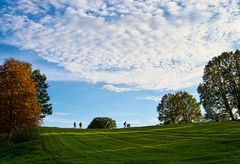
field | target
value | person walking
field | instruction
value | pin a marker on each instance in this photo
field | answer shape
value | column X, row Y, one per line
column 125, row 124
column 74, row 124
column 80, row 125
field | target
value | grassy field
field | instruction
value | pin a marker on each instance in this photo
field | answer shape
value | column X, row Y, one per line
column 190, row 143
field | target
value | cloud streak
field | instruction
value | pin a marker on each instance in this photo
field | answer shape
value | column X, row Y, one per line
column 150, row 98
column 150, row 45
column 116, row 88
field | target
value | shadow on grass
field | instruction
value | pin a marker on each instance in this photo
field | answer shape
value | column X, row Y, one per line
column 10, row 151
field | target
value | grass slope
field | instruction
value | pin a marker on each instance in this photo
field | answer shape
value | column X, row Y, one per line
column 191, row 143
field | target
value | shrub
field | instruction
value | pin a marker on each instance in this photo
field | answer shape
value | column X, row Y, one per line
column 24, row 134
column 102, row 122
column 4, row 138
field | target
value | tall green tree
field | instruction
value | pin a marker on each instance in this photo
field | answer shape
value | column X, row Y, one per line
column 233, row 77
column 42, row 93
column 178, row 108
column 220, row 89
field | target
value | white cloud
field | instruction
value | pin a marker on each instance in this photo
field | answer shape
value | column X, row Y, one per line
column 54, row 74
column 151, row 98
column 154, row 121
column 141, row 45
column 116, row 88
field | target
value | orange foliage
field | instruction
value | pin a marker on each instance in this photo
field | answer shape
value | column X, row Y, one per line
column 19, row 106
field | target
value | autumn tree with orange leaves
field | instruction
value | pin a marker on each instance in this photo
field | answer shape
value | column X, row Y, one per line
column 19, row 106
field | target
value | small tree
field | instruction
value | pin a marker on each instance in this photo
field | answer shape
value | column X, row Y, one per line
column 19, row 106
column 42, row 94
column 178, row 108
column 102, row 122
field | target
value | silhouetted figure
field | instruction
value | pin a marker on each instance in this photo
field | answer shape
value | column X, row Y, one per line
column 128, row 125
column 125, row 124
column 80, row 125
column 74, row 124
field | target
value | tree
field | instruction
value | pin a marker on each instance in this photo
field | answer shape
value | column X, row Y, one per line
column 220, row 89
column 19, row 106
column 102, row 122
column 233, row 77
column 42, row 94
column 211, row 112
column 178, row 108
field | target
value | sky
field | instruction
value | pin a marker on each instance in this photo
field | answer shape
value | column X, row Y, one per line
column 117, row 58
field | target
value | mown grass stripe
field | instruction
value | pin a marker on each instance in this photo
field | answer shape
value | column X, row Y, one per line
column 189, row 143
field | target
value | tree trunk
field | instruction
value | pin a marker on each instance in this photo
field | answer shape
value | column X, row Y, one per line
column 231, row 115
column 228, row 108
column 238, row 109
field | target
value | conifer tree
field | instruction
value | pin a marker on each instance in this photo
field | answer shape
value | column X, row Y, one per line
column 42, row 94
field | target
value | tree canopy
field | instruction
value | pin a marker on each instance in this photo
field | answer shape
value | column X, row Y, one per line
column 178, row 108
column 220, row 89
column 19, row 106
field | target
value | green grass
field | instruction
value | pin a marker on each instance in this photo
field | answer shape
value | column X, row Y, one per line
column 190, row 143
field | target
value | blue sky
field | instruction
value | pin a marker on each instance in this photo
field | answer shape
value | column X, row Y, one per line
column 116, row 58
column 80, row 101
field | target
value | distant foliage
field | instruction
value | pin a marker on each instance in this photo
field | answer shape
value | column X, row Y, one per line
column 19, row 106
column 42, row 94
column 178, row 108
column 102, row 122
column 220, row 89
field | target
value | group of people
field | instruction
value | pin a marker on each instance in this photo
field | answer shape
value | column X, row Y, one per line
column 75, row 125
column 126, row 125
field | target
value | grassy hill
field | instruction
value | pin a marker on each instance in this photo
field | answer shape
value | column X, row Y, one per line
column 190, row 143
